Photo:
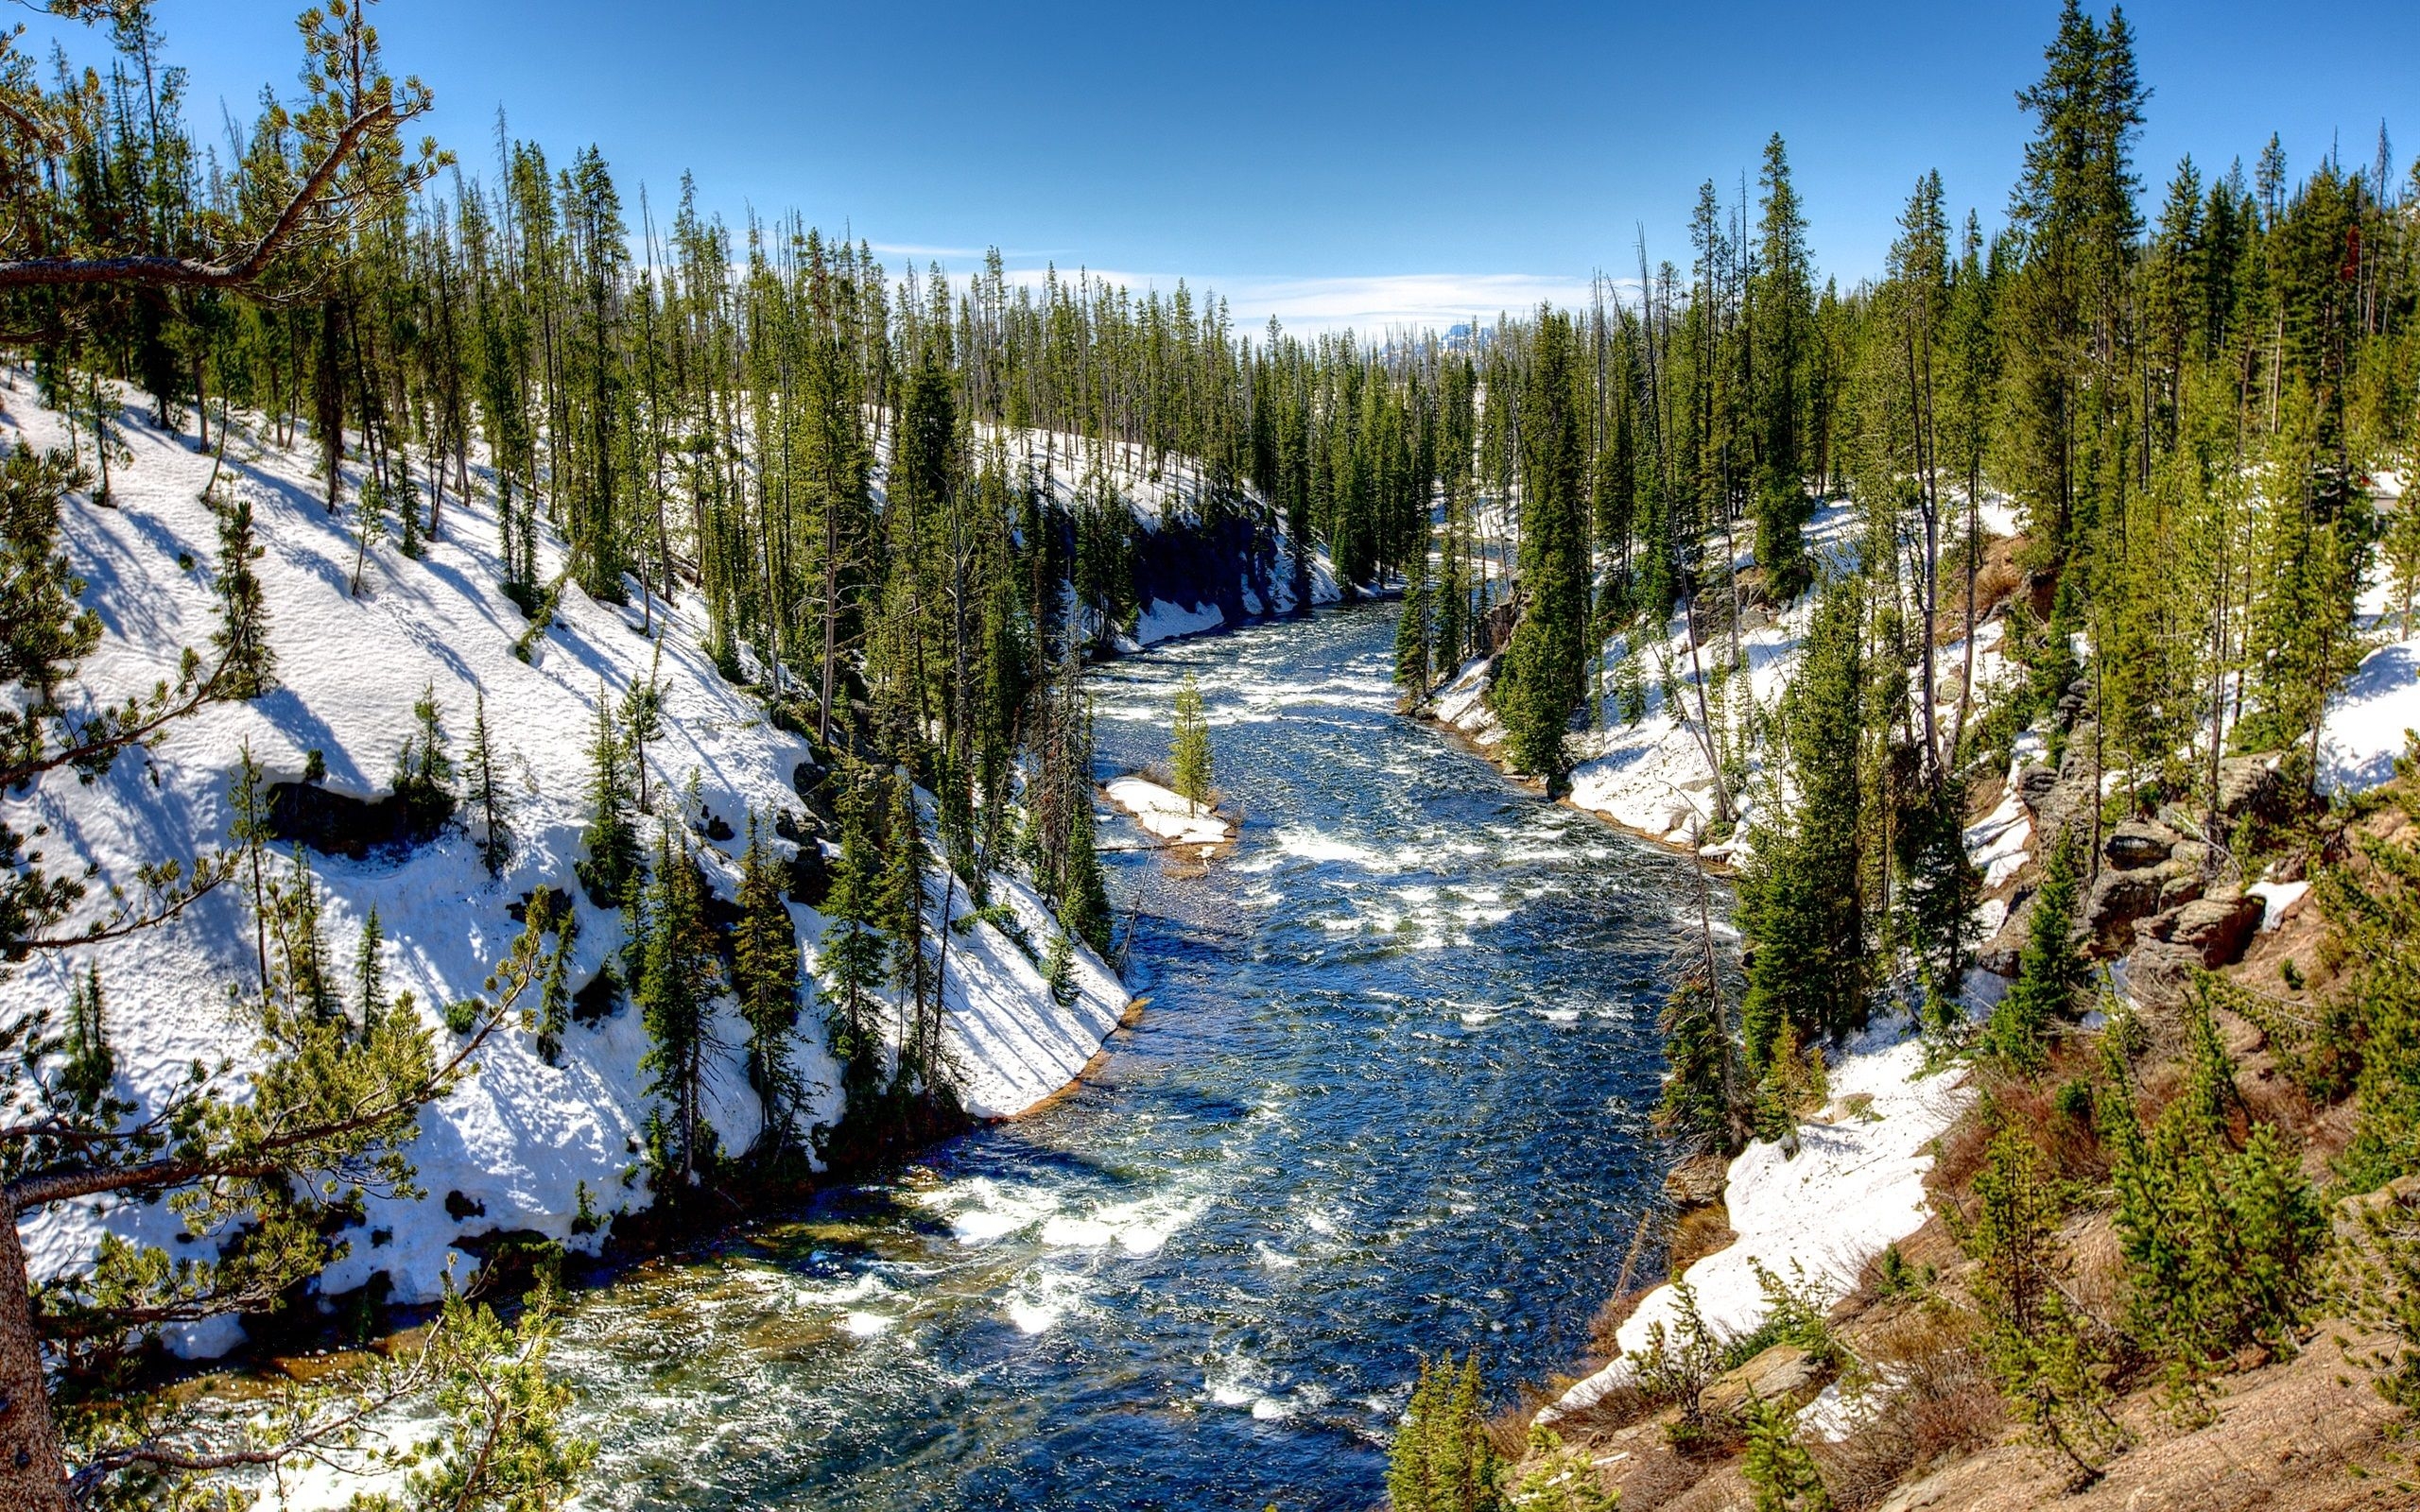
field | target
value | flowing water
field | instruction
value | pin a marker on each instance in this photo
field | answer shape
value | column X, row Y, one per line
column 1390, row 1095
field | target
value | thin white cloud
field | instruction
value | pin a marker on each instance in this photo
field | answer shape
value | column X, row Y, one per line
column 1371, row 305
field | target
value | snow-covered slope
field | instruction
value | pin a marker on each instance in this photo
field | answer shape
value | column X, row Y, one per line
column 513, row 1148
column 1174, row 501
column 1651, row 775
column 1855, row 1183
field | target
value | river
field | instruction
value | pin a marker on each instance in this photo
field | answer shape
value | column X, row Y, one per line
column 1390, row 1095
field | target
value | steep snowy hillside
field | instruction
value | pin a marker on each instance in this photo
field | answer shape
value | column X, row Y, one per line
column 1201, row 561
column 524, row 1142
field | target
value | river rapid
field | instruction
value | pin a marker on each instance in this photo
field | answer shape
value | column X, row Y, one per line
column 1390, row 1095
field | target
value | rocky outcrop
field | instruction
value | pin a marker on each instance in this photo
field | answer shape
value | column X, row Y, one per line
column 1784, row 1373
column 1697, row 1182
column 2137, row 844
column 2202, row 935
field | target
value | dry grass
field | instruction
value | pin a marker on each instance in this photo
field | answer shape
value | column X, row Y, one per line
column 1938, row 1403
column 1700, row 1233
column 1606, row 1326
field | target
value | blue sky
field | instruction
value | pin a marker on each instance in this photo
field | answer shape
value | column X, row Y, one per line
column 1332, row 164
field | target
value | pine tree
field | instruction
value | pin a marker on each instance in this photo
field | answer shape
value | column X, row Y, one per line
column 90, row 1065
column 1442, row 1460
column 1776, row 1466
column 1544, row 671
column 250, row 829
column 1704, row 1084
column 369, row 971
column 1802, row 901
column 424, row 768
column 550, row 916
column 369, row 524
column 2050, row 971
column 642, row 721
column 1781, row 303
column 1412, row 649
column 490, row 798
column 676, row 976
column 248, row 666
column 853, row 948
column 303, row 983
column 765, row 977
column 902, row 913
column 1190, row 745
column 2044, row 1355
column 1084, row 911
column 611, row 839
column 2221, row 1238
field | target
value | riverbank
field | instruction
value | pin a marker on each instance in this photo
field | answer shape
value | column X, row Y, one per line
column 546, row 1144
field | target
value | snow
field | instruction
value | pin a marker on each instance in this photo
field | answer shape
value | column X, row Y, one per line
column 521, row 1139
column 2277, row 900
column 1999, row 842
column 1651, row 777
column 1158, row 491
column 1854, row 1186
column 2370, row 718
column 1167, row 814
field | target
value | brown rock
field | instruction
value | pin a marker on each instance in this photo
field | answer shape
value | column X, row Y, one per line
column 1698, row 1182
column 2216, row 928
column 2160, row 975
column 2139, row 843
column 1785, row 1372
column 2246, row 783
column 2033, row 785
column 2179, row 885
column 2119, row 898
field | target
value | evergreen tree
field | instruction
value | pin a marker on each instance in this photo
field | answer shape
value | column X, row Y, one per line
column 250, row 829
column 552, row 913
column 490, row 798
column 1190, row 745
column 2050, row 971
column 1442, row 1460
column 1545, row 667
column 424, row 768
column 642, row 722
column 853, row 948
column 1413, row 640
column 90, row 1065
column 611, row 839
column 2043, row 1353
column 1776, row 1466
column 1782, row 302
column 248, row 666
column 1704, row 1084
column 1802, row 901
column 902, row 913
column 675, row 977
column 765, row 976
column 369, row 971
column 2221, row 1238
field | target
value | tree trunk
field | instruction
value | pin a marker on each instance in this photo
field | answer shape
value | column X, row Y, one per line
column 32, row 1476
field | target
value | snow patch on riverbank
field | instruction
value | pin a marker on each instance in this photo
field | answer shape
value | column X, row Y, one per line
column 523, row 1143
column 2369, row 719
column 1168, row 813
column 1854, row 1185
column 1652, row 774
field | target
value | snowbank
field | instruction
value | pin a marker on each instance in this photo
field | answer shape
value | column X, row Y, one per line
column 1856, row 1185
column 1167, row 814
column 2369, row 719
column 523, row 1141
column 1649, row 775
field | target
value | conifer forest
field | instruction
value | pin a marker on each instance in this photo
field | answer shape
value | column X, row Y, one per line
column 658, row 854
